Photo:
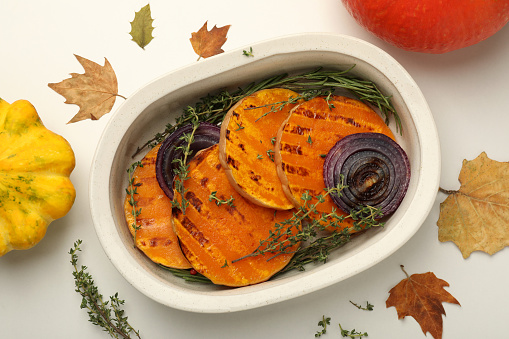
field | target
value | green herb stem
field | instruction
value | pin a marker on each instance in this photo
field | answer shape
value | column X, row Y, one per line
column 100, row 311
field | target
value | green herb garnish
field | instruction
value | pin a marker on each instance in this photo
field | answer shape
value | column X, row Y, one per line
column 323, row 323
column 213, row 197
column 181, row 173
column 300, row 228
column 368, row 307
column 106, row 314
column 131, row 191
column 248, row 53
column 188, row 275
column 351, row 334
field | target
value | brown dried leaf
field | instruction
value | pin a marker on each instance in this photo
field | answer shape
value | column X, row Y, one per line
column 94, row 91
column 208, row 43
column 476, row 217
column 421, row 296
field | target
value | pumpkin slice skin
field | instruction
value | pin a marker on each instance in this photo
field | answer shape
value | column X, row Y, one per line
column 155, row 238
column 306, row 137
column 246, row 147
column 213, row 236
column 35, row 165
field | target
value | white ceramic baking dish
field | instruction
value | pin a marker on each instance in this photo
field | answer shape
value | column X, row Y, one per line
column 146, row 112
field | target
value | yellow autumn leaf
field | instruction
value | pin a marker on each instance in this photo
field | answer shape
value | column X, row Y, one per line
column 476, row 217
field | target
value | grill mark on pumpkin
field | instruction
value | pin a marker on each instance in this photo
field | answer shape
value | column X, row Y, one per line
column 194, row 200
column 242, row 147
column 194, row 232
column 310, row 114
column 176, row 212
column 199, row 157
column 293, row 149
column 149, row 161
column 298, row 170
column 255, row 177
column 299, row 130
column 232, row 162
column 203, row 182
column 159, row 242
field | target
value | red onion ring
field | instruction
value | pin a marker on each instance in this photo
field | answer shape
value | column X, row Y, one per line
column 205, row 136
column 375, row 169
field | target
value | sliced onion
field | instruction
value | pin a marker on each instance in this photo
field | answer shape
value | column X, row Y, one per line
column 375, row 169
column 205, row 136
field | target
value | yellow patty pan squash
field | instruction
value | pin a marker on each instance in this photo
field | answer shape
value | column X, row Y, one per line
column 35, row 165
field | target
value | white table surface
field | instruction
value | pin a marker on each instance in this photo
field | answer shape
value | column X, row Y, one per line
column 467, row 91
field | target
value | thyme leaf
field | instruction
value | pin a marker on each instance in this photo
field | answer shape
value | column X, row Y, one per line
column 107, row 314
column 248, row 53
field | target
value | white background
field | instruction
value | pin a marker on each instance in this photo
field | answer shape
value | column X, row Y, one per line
column 467, row 91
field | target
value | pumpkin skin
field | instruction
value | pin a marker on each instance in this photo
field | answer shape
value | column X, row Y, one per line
column 35, row 165
column 430, row 26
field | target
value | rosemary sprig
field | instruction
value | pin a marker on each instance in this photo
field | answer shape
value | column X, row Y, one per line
column 131, row 191
column 188, row 275
column 106, row 314
column 213, row 108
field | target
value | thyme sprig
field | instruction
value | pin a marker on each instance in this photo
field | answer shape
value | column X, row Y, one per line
column 131, row 191
column 351, row 334
column 181, row 172
column 106, row 314
column 278, row 106
column 368, row 306
column 213, row 197
column 323, row 323
column 300, row 228
column 213, row 108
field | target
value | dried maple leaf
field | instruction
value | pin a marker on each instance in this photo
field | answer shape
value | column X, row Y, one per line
column 94, row 91
column 421, row 296
column 476, row 217
column 141, row 27
column 208, row 43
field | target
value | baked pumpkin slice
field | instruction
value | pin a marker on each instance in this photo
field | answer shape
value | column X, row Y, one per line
column 219, row 226
column 155, row 236
column 246, row 146
column 308, row 134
